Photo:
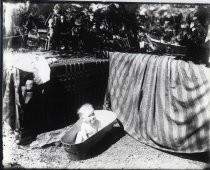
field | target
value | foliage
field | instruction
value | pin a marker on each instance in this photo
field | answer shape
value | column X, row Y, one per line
column 183, row 26
column 121, row 26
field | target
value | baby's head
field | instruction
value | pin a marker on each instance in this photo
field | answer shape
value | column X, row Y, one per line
column 86, row 112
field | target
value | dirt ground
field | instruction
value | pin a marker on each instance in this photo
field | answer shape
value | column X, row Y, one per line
column 117, row 150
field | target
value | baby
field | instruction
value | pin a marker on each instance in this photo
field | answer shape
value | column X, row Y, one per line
column 90, row 125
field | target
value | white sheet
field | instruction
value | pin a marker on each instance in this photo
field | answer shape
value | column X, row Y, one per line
column 28, row 62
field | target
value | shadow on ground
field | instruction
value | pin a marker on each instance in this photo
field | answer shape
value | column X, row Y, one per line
column 201, row 157
column 111, row 138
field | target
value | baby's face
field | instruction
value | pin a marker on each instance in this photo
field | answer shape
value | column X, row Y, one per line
column 90, row 119
column 86, row 112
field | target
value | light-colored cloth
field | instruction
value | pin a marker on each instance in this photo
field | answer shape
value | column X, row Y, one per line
column 28, row 62
column 49, row 138
column 162, row 102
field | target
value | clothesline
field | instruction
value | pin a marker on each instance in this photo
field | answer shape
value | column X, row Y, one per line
column 14, row 36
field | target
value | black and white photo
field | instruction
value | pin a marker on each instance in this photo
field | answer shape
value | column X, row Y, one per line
column 105, row 84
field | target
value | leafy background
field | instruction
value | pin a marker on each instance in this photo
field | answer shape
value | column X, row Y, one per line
column 121, row 26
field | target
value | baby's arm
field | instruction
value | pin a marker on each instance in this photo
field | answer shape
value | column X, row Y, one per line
column 83, row 131
column 84, row 135
column 79, row 138
column 81, row 135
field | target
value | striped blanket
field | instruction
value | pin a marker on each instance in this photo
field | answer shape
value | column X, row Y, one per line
column 161, row 101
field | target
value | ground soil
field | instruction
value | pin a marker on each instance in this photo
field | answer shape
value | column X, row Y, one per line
column 116, row 150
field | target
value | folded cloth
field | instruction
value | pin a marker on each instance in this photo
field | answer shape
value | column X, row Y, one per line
column 49, row 138
column 29, row 62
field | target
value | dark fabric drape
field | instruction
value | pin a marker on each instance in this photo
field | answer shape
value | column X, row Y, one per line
column 18, row 111
column 11, row 97
column 54, row 104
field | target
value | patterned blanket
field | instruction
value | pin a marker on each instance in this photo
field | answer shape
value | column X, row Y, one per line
column 161, row 101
